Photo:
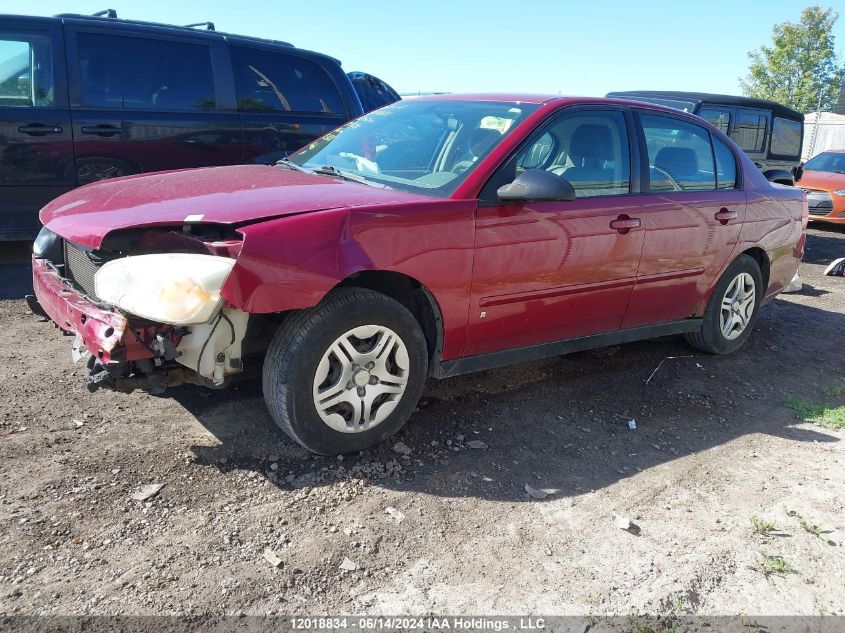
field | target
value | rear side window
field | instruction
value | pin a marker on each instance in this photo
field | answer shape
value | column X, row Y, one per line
column 134, row 73
column 750, row 130
column 719, row 117
column 26, row 69
column 269, row 81
column 786, row 137
column 725, row 165
column 680, row 157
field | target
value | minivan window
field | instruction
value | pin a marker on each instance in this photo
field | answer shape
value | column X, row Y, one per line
column 137, row 73
column 786, row 137
column 270, row 81
column 750, row 131
column 725, row 165
column 719, row 117
column 680, row 157
column 26, row 69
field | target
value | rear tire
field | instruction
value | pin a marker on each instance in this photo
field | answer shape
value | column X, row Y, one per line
column 347, row 374
column 732, row 310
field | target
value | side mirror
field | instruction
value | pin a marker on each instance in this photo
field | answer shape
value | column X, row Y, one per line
column 25, row 83
column 536, row 185
column 799, row 171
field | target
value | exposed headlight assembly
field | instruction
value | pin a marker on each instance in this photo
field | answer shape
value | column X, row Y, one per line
column 175, row 288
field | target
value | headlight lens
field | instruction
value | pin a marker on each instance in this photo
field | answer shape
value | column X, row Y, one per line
column 840, row 192
column 176, row 288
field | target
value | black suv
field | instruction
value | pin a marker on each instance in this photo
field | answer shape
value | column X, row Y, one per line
column 771, row 134
column 83, row 98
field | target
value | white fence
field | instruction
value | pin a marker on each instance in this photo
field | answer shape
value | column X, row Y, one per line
column 822, row 132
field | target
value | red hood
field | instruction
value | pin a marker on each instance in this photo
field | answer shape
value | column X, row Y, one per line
column 824, row 180
column 223, row 195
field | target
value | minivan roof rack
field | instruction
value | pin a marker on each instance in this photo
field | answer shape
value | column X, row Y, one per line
column 110, row 14
column 209, row 26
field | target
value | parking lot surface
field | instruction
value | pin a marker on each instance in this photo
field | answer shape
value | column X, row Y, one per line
column 508, row 491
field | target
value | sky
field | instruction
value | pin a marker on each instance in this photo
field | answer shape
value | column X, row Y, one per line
column 558, row 46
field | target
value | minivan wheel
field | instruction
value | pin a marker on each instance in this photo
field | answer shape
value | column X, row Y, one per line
column 90, row 170
column 346, row 374
column 732, row 309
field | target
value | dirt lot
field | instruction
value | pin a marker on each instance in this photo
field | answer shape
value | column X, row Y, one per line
column 715, row 446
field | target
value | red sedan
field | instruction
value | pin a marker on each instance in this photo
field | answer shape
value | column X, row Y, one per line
column 429, row 238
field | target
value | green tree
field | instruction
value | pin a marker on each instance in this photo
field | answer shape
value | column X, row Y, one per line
column 800, row 69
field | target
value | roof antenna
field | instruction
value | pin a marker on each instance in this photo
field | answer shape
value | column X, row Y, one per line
column 208, row 25
column 109, row 13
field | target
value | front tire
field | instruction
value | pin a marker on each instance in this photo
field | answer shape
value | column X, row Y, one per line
column 347, row 374
column 732, row 310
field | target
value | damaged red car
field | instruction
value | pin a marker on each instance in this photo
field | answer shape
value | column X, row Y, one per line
column 433, row 237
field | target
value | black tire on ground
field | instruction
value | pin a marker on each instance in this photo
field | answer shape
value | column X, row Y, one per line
column 710, row 338
column 295, row 352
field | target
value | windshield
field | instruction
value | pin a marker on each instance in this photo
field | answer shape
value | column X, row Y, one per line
column 425, row 147
column 827, row 161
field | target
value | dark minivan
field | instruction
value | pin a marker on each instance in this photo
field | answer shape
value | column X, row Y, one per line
column 83, row 98
column 770, row 133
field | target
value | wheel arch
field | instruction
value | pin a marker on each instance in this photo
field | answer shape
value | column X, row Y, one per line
column 758, row 255
column 414, row 296
column 762, row 259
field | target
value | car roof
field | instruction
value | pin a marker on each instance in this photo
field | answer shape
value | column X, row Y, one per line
column 545, row 99
column 708, row 97
column 210, row 32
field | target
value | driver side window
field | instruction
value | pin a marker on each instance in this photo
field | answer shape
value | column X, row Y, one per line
column 589, row 149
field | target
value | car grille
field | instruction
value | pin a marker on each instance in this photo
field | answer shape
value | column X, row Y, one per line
column 80, row 268
column 820, row 202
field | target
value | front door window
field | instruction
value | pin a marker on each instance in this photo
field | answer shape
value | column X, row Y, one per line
column 588, row 149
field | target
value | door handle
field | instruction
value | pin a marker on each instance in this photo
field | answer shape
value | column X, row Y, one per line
column 101, row 130
column 39, row 129
column 724, row 215
column 624, row 224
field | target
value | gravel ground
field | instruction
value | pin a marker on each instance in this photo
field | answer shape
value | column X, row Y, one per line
column 507, row 491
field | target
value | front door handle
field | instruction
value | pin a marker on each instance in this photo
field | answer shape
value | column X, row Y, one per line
column 624, row 223
column 39, row 129
column 101, row 130
column 725, row 215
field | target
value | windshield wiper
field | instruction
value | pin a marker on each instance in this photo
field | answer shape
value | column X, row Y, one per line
column 287, row 162
column 330, row 170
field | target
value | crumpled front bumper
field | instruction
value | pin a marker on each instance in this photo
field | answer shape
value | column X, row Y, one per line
column 104, row 333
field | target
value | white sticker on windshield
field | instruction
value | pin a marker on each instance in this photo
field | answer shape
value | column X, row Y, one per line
column 195, row 218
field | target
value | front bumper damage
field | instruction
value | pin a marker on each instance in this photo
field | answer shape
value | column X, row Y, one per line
column 125, row 353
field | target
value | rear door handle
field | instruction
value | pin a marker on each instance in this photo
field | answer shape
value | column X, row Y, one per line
column 101, row 130
column 725, row 215
column 624, row 224
column 39, row 129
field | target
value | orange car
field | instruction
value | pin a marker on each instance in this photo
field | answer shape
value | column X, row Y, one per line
column 824, row 181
